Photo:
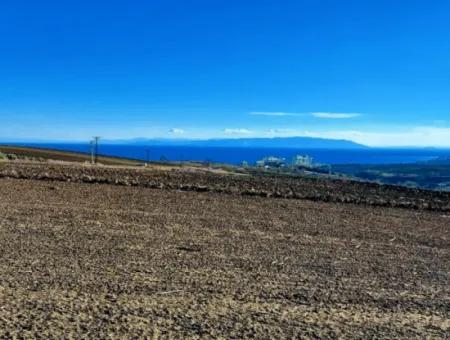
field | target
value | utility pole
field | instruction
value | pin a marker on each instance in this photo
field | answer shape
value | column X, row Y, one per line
column 96, row 139
column 92, row 151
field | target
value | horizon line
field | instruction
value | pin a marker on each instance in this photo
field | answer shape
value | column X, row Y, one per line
column 109, row 141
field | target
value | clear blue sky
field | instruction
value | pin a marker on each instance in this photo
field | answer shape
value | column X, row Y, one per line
column 377, row 72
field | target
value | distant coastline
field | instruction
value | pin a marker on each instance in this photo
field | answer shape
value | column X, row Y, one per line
column 238, row 154
column 273, row 142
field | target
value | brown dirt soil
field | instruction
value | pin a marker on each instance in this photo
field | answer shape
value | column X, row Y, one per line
column 190, row 179
column 103, row 260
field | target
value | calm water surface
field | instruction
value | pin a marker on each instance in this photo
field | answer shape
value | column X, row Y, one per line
column 237, row 155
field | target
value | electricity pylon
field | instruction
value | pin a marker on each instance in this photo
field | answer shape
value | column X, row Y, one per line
column 95, row 141
column 92, row 151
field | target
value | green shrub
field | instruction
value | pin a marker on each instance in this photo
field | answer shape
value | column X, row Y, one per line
column 11, row 157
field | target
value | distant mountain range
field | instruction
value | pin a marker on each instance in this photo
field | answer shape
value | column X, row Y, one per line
column 276, row 142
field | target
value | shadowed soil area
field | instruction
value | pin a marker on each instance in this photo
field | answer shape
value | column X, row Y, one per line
column 104, row 260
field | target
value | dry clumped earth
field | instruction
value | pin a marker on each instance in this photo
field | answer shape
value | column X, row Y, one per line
column 189, row 179
column 100, row 253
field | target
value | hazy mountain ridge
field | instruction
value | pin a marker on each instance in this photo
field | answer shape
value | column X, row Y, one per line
column 276, row 142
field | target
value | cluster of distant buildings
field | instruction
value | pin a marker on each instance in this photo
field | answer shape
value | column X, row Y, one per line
column 277, row 162
column 297, row 163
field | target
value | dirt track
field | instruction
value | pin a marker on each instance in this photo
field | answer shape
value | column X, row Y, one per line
column 115, row 260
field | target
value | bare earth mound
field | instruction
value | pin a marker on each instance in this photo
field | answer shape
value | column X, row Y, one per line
column 122, row 253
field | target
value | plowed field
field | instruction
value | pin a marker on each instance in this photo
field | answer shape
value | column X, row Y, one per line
column 179, row 258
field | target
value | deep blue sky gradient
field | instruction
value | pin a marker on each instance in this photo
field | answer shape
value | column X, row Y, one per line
column 123, row 69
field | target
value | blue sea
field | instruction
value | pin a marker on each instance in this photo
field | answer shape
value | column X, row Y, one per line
column 236, row 155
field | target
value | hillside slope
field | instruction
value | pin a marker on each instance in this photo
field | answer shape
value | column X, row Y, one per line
column 189, row 179
column 96, row 253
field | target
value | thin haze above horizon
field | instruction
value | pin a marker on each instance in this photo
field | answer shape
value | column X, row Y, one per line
column 374, row 72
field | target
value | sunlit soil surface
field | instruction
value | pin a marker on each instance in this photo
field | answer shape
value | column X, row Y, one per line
column 100, row 260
